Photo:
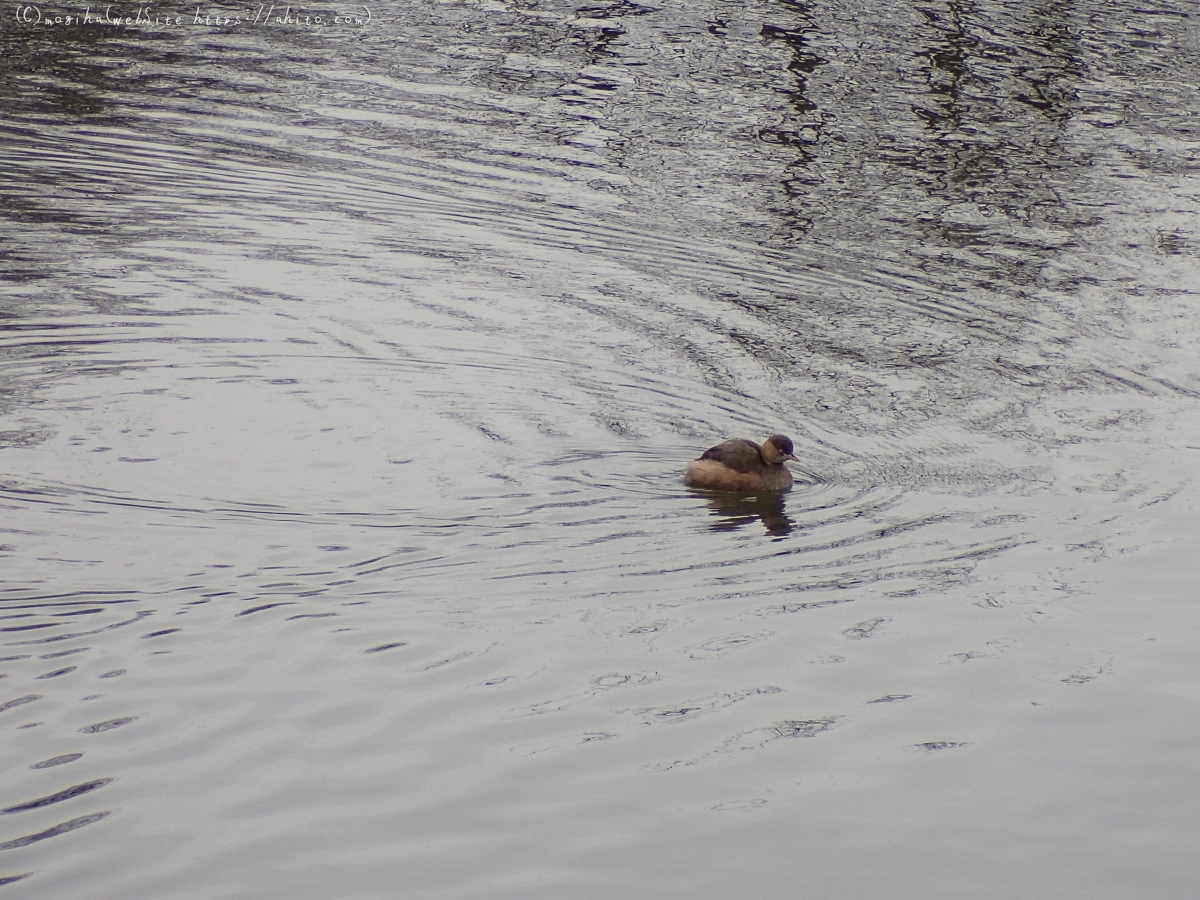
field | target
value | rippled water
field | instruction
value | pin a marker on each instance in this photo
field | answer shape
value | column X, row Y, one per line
column 347, row 373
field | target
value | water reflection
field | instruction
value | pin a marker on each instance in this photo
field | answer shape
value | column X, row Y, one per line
column 804, row 135
column 736, row 510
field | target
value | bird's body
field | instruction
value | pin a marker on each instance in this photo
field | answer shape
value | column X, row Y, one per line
column 741, row 465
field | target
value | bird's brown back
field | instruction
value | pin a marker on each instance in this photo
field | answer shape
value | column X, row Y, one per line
column 740, row 455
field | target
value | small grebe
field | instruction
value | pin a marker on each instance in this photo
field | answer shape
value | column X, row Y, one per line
column 742, row 465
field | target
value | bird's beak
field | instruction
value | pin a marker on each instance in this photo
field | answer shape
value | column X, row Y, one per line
column 792, row 457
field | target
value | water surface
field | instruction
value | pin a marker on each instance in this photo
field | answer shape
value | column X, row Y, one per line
column 346, row 377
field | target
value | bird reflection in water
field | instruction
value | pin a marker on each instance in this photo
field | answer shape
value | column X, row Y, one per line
column 735, row 510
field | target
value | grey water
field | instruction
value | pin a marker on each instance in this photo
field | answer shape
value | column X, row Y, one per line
column 349, row 361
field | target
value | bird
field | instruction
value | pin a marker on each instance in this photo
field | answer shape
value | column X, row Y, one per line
column 742, row 465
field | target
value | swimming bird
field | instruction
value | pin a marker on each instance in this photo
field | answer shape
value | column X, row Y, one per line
column 741, row 465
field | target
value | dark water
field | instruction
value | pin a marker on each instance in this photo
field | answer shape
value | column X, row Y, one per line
column 347, row 371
